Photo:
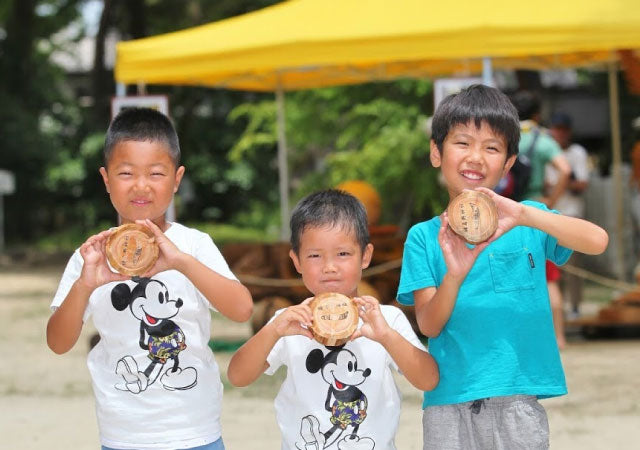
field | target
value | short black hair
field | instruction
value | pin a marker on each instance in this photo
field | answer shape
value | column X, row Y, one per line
column 477, row 103
column 331, row 207
column 142, row 124
column 527, row 103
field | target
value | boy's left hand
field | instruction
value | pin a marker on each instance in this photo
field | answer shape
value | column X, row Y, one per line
column 509, row 212
column 375, row 327
column 168, row 256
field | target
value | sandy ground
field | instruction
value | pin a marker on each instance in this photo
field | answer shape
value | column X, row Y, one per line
column 46, row 400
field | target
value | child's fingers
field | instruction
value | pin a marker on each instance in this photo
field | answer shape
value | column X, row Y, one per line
column 305, row 332
column 366, row 304
column 371, row 300
column 157, row 232
column 297, row 316
column 491, row 193
column 104, row 234
column 118, row 277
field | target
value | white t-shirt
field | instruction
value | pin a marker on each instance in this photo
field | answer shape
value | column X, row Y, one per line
column 571, row 204
column 147, row 328
column 345, row 396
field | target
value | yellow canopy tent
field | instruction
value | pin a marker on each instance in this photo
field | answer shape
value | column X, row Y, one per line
column 313, row 43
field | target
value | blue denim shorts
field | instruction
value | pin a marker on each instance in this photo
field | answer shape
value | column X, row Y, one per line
column 217, row 445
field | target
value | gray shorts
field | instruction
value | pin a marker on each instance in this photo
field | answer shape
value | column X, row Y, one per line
column 499, row 423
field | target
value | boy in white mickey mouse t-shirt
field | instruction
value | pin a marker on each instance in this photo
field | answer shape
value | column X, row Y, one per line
column 335, row 397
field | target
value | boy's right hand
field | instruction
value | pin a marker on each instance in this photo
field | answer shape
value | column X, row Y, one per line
column 458, row 257
column 290, row 321
column 95, row 271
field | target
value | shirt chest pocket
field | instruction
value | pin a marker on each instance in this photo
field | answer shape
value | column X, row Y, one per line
column 511, row 271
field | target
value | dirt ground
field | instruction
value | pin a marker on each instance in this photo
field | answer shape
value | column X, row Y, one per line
column 46, row 400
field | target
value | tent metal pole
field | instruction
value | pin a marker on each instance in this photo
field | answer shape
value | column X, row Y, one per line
column 283, row 171
column 487, row 71
column 614, row 116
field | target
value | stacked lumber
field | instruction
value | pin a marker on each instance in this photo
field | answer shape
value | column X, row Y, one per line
column 623, row 310
column 269, row 274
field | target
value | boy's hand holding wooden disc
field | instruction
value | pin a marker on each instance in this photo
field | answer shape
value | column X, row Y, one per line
column 473, row 216
column 335, row 318
column 132, row 249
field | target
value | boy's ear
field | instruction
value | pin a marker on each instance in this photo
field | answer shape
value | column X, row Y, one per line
column 508, row 164
column 105, row 178
column 434, row 154
column 179, row 175
column 366, row 255
column 296, row 261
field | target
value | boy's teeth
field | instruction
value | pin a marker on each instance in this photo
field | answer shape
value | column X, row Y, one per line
column 473, row 176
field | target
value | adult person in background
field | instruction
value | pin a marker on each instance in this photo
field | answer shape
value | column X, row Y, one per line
column 635, row 191
column 542, row 150
column 571, row 202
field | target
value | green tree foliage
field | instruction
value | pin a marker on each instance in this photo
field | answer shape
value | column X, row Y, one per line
column 37, row 116
column 373, row 132
column 52, row 125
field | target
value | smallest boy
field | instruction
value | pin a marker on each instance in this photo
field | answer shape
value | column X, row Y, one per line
column 335, row 396
column 486, row 309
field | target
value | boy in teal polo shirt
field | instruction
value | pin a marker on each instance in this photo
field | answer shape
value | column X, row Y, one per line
column 486, row 308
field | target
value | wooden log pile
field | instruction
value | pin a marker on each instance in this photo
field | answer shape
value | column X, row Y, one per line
column 269, row 274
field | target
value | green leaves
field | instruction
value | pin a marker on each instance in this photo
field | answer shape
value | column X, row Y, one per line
column 372, row 132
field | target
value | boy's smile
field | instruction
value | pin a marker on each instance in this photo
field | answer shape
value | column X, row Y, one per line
column 330, row 259
column 141, row 179
column 471, row 157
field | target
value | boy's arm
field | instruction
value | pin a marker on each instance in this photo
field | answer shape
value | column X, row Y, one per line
column 417, row 366
column 65, row 324
column 250, row 361
column 434, row 305
column 229, row 297
column 576, row 234
column 563, row 168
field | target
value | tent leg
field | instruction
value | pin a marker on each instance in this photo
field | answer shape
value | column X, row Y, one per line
column 283, row 171
column 487, row 71
column 614, row 116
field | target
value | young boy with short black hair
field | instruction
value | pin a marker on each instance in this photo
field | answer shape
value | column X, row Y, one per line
column 155, row 380
column 486, row 308
column 335, row 397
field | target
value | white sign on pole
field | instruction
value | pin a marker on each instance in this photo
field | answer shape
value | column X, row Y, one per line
column 7, row 187
column 446, row 86
column 7, row 182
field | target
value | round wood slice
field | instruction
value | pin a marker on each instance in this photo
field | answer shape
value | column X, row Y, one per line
column 131, row 249
column 473, row 215
column 335, row 318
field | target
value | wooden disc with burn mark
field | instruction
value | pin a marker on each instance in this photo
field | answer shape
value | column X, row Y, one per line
column 132, row 249
column 335, row 318
column 473, row 215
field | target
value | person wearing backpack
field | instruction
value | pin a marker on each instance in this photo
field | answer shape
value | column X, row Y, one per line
column 539, row 150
